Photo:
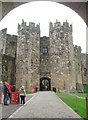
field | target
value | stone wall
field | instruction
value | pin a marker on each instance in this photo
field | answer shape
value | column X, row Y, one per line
column 27, row 62
column 45, row 57
column 35, row 59
column 28, row 58
column 62, row 56
column 9, row 59
column 2, row 48
column 11, row 45
column 84, row 68
column 78, row 68
column 8, row 69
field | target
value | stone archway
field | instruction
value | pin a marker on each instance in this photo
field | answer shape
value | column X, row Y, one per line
column 45, row 84
column 80, row 7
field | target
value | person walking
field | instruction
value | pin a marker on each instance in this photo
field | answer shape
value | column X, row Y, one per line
column 5, row 92
column 22, row 93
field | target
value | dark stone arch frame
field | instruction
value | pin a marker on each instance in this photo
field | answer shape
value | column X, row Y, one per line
column 49, row 81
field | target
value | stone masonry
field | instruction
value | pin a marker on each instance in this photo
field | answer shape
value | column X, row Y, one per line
column 45, row 63
column 2, row 48
column 61, row 55
column 9, row 59
column 28, row 55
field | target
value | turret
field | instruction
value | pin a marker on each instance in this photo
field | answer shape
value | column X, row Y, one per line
column 38, row 27
column 50, row 26
column 23, row 23
column 77, row 50
column 67, row 27
column 66, row 24
column 31, row 25
column 57, row 24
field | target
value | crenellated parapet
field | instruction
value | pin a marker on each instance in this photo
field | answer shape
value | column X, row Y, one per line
column 77, row 50
column 66, row 27
column 32, row 27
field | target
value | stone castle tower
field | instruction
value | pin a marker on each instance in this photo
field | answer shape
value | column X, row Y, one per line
column 45, row 63
column 28, row 55
column 62, row 55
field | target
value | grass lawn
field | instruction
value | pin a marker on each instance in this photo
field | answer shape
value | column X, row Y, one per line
column 81, row 94
column 78, row 104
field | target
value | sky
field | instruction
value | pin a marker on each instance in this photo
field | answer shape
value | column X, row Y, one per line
column 44, row 12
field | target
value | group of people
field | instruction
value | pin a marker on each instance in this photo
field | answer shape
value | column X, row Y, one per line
column 5, row 93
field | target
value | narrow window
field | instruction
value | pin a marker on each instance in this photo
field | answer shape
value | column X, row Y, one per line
column 45, row 50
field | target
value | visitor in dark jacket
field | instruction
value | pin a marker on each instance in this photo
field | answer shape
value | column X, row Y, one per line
column 5, row 92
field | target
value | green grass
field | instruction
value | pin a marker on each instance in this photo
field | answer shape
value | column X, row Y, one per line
column 85, row 88
column 77, row 104
column 81, row 94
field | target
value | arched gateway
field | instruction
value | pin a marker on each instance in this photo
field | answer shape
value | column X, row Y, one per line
column 45, row 84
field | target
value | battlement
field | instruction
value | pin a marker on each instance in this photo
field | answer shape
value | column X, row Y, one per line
column 3, row 31
column 12, row 38
column 77, row 49
column 44, row 37
column 31, row 27
column 66, row 27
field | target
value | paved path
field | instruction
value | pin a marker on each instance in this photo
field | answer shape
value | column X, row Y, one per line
column 6, row 111
column 44, row 105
